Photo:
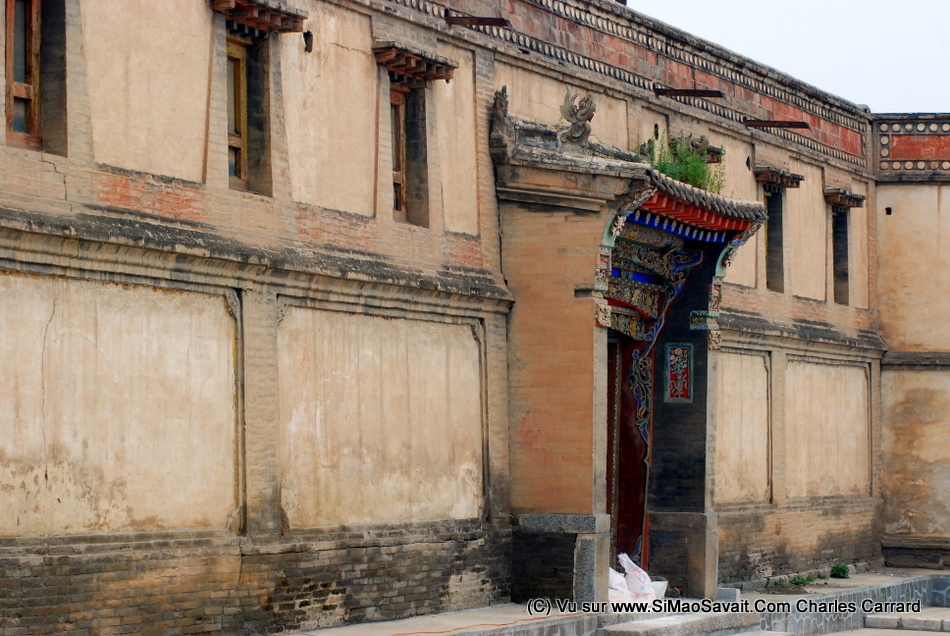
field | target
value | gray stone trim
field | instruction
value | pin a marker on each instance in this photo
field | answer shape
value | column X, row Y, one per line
column 564, row 523
column 936, row 360
column 904, row 541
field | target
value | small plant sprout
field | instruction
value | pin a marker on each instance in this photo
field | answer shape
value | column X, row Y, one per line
column 686, row 159
column 840, row 571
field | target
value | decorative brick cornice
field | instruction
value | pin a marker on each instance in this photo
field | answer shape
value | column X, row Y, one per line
column 840, row 131
column 771, row 176
column 413, row 63
column 842, row 198
column 264, row 15
column 912, row 147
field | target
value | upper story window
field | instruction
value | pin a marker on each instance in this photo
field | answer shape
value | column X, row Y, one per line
column 410, row 73
column 237, row 112
column 23, row 71
column 250, row 24
column 36, row 74
column 841, row 202
column 774, row 182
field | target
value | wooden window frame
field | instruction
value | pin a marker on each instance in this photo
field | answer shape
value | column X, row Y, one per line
column 30, row 89
column 237, row 99
column 397, row 102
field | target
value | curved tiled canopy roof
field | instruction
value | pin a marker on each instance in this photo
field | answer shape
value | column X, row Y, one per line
column 721, row 206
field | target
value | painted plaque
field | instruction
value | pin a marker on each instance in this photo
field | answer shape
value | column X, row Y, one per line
column 679, row 373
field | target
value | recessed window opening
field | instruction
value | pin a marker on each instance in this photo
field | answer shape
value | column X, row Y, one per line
column 774, row 240
column 839, row 250
column 409, row 150
column 247, row 108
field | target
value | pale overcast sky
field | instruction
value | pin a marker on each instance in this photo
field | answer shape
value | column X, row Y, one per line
column 893, row 55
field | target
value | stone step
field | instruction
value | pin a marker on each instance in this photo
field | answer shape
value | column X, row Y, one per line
column 929, row 619
column 498, row 620
column 689, row 624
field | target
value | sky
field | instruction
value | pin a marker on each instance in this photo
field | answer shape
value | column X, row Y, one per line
column 891, row 55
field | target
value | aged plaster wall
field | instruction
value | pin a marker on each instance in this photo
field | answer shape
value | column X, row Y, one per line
column 117, row 408
column 330, row 101
column 151, row 112
column 916, row 444
column 858, row 249
column 742, row 429
column 539, row 98
column 827, row 445
column 455, row 122
column 913, row 265
column 805, row 234
column 380, row 419
column 740, row 183
column 644, row 123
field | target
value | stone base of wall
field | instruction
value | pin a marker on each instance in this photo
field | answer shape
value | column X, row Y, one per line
column 542, row 566
column 208, row 582
column 557, row 555
column 901, row 551
column 757, row 542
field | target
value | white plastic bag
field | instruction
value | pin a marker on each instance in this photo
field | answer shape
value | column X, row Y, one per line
column 638, row 581
column 615, row 580
column 620, row 596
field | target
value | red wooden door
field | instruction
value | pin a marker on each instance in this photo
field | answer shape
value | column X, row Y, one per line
column 629, row 432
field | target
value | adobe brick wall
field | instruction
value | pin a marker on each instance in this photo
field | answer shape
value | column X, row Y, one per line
column 211, row 583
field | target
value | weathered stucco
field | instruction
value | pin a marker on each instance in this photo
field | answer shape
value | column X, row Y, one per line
column 152, row 64
column 916, row 448
column 913, row 265
column 827, row 446
column 330, row 99
column 380, row 419
column 455, row 124
column 858, row 292
column 538, row 98
column 740, row 183
column 742, row 429
column 805, row 234
column 117, row 408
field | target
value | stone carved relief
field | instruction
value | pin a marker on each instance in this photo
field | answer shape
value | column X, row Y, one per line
column 579, row 115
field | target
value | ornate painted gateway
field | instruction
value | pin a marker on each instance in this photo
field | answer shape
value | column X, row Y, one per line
column 617, row 271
